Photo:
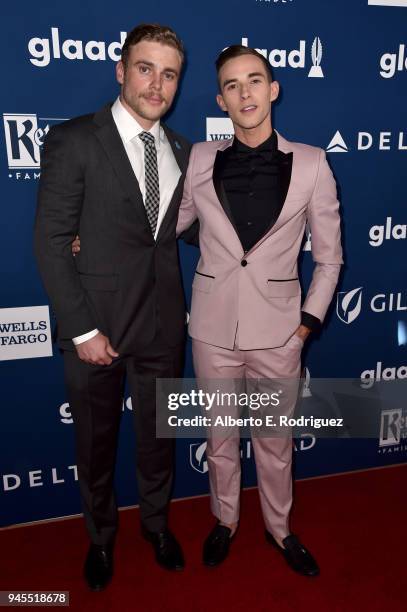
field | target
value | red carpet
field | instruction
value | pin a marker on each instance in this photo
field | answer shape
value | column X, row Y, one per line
column 355, row 525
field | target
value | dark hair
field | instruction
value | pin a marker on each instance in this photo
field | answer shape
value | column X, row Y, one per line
column 154, row 32
column 237, row 51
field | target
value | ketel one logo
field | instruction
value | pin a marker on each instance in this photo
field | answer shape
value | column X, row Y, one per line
column 197, row 457
column 24, row 135
column 391, row 427
column 349, row 304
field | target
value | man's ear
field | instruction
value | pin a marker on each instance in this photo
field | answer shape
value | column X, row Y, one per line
column 120, row 72
column 221, row 103
column 274, row 90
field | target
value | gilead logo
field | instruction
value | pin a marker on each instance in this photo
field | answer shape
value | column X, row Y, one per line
column 43, row 50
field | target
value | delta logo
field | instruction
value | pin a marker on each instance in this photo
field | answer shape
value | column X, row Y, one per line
column 365, row 141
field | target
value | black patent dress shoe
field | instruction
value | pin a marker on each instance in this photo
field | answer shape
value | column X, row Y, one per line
column 296, row 555
column 168, row 552
column 216, row 545
column 98, row 569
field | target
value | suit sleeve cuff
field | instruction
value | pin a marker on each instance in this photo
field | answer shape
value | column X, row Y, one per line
column 313, row 323
column 84, row 337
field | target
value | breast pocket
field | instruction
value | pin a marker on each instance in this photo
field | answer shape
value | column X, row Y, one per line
column 283, row 288
column 203, row 282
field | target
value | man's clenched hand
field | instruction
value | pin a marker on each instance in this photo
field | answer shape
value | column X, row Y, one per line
column 96, row 351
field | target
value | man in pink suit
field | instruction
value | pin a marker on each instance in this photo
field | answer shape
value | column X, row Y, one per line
column 253, row 195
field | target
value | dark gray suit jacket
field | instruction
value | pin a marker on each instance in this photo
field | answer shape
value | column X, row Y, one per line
column 122, row 280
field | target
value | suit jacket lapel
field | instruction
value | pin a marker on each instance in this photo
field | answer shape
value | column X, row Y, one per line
column 285, row 164
column 181, row 155
column 284, row 160
column 110, row 140
column 218, row 166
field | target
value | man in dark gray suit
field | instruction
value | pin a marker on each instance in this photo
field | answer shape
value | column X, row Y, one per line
column 116, row 178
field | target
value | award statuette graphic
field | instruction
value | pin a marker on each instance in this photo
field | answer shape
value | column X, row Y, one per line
column 316, row 55
column 306, row 379
column 307, row 244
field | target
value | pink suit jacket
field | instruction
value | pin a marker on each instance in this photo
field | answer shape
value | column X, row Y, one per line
column 259, row 290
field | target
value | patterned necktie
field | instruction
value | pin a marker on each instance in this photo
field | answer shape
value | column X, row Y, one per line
column 152, row 183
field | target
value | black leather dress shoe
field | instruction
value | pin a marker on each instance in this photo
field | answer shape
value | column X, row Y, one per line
column 296, row 555
column 216, row 545
column 168, row 552
column 98, row 567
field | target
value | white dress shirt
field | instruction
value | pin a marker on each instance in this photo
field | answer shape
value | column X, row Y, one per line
column 168, row 169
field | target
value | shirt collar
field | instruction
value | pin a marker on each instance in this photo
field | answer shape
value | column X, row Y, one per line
column 129, row 128
column 269, row 145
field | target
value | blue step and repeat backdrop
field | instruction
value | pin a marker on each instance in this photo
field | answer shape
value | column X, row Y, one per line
column 342, row 67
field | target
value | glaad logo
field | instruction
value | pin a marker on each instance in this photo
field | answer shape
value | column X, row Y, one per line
column 24, row 135
column 379, row 233
column 219, row 128
column 384, row 141
column 25, row 333
column 66, row 414
column 369, row 377
column 281, row 58
column 42, row 50
column 390, row 63
column 349, row 304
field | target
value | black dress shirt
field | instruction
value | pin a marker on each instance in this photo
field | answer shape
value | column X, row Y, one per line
column 250, row 177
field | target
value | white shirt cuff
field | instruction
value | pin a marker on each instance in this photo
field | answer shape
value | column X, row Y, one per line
column 84, row 337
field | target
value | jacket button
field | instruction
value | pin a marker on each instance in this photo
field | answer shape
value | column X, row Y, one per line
column 243, row 263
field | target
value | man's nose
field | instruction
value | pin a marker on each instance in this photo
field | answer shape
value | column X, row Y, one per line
column 156, row 81
column 244, row 92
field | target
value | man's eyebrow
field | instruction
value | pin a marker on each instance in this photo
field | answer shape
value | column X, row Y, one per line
column 147, row 63
column 251, row 75
column 229, row 81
